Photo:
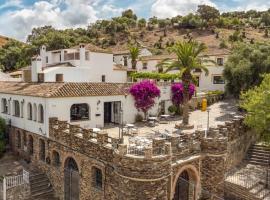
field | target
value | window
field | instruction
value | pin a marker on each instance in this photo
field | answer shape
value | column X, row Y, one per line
column 79, row 112
column 59, row 77
column 47, row 59
column 56, row 159
column 29, row 111
column 16, row 107
column 220, row 61
column 35, row 112
column 218, row 79
column 145, row 65
column 103, row 78
column 97, row 178
column 4, row 106
column 42, row 150
column 125, row 61
column 40, row 114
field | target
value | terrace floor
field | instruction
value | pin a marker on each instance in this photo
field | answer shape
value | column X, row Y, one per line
column 220, row 112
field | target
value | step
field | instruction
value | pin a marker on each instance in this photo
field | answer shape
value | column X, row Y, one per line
column 43, row 193
column 258, row 151
column 41, row 189
column 39, row 179
column 259, row 160
column 41, row 185
column 257, row 163
column 254, row 155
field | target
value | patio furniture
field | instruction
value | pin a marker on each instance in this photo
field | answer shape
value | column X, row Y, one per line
column 152, row 121
column 164, row 117
column 129, row 127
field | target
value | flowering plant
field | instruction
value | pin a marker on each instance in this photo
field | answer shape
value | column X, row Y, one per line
column 177, row 93
column 144, row 94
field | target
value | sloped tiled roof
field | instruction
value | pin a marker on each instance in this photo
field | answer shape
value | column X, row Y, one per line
column 51, row 90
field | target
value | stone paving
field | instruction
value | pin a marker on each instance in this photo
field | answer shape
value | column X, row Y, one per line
column 220, row 112
column 10, row 165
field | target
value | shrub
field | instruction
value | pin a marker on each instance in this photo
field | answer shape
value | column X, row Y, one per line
column 172, row 109
column 138, row 118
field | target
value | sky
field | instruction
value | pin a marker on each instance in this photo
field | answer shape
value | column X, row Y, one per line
column 18, row 17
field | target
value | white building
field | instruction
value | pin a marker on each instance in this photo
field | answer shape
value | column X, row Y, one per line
column 213, row 81
column 30, row 105
column 74, row 65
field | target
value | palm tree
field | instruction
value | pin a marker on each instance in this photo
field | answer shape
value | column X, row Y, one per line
column 187, row 60
column 134, row 54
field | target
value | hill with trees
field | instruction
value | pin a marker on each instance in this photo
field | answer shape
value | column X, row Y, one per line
column 207, row 25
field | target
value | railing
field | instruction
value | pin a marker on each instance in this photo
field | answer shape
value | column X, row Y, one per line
column 134, row 150
column 13, row 181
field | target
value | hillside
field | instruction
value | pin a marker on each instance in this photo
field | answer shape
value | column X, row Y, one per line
column 157, row 42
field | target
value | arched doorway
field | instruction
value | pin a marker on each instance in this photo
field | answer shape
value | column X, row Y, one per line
column 71, row 180
column 186, row 184
column 182, row 187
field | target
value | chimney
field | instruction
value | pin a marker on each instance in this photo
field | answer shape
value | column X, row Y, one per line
column 82, row 55
column 43, row 55
column 36, row 68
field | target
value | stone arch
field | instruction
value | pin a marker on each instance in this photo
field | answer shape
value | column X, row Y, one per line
column 30, row 144
column 42, row 150
column 193, row 176
column 71, row 179
column 18, row 140
column 56, row 158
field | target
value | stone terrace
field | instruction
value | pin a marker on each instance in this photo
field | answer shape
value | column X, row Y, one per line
column 220, row 113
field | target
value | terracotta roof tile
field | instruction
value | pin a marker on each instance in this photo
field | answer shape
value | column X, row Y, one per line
column 63, row 89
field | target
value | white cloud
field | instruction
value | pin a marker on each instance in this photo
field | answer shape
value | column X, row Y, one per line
column 11, row 3
column 19, row 23
column 171, row 8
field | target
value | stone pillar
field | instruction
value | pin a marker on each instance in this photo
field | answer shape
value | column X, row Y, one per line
column 148, row 152
column 213, row 166
column 86, row 134
column 102, row 138
column 122, row 148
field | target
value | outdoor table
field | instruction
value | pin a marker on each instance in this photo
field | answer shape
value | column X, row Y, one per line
column 129, row 126
column 96, row 130
column 164, row 116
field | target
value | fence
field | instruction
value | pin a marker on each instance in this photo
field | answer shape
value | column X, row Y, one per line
column 256, row 187
column 13, row 181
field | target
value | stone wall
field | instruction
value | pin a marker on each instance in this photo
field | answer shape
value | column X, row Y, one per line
column 151, row 175
column 21, row 192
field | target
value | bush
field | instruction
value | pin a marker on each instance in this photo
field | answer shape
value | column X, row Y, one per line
column 172, row 109
column 138, row 118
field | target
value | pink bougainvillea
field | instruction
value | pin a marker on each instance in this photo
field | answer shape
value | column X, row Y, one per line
column 144, row 94
column 178, row 93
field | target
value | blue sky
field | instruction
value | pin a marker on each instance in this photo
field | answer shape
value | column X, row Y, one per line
column 18, row 17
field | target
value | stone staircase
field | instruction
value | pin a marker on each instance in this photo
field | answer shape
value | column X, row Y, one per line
column 258, row 155
column 40, row 186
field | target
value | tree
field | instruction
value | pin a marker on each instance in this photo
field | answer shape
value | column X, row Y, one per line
column 245, row 66
column 134, row 52
column 208, row 12
column 187, row 59
column 144, row 94
column 129, row 14
column 265, row 18
column 2, row 136
column 256, row 102
column 142, row 23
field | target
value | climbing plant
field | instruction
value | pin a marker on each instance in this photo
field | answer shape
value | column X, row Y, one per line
column 144, row 94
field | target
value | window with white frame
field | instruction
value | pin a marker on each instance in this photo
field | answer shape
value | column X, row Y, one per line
column 218, row 79
column 145, row 65
column 40, row 114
